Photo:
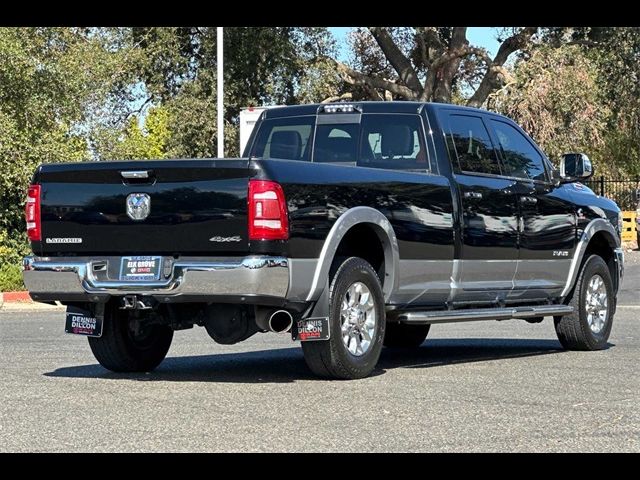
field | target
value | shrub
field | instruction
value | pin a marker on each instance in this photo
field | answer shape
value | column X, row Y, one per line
column 10, row 277
column 11, row 252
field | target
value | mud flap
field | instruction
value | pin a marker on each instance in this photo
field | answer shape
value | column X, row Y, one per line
column 84, row 322
column 312, row 329
column 314, row 326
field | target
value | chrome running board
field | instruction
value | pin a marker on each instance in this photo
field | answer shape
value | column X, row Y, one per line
column 481, row 314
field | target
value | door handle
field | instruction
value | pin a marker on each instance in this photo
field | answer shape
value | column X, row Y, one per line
column 476, row 195
column 138, row 177
column 528, row 200
column 135, row 174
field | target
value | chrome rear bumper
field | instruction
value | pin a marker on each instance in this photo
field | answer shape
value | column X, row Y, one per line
column 49, row 279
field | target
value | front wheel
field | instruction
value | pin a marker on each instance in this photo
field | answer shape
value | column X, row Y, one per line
column 122, row 348
column 356, row 324
column 593, row 302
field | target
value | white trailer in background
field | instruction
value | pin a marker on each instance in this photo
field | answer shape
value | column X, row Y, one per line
column 248, row 118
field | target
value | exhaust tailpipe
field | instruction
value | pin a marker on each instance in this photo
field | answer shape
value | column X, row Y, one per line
column 280, row 321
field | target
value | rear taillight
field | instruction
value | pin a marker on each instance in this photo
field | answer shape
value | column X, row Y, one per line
column 267, row 211
column 32, row 213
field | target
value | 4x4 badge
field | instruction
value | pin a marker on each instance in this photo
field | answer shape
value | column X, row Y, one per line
column 235, row 238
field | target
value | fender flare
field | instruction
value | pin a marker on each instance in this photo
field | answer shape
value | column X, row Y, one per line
column 593, row 227
column 350, row 218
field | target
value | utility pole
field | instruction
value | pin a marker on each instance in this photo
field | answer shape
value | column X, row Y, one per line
column 220, row 107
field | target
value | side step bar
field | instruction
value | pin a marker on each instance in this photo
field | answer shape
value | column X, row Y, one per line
column 483, row 314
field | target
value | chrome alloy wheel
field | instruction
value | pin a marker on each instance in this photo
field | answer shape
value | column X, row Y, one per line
column 596, row 304
column 358, row 319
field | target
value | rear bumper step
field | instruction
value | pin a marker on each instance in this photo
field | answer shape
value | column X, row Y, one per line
column 68, row 280
column 483, row 314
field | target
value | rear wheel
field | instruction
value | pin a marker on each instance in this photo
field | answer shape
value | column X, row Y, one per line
column 122, row 348
column 402, row 335
column 593, row 302
column 356, row 324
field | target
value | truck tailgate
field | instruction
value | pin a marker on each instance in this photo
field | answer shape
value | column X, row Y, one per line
column 196, row 207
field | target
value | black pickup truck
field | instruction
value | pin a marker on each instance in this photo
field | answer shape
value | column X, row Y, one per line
column 351, row 226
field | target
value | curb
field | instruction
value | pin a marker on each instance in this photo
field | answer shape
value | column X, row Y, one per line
column 11, row 297
column 21, row 301
column 31, row 307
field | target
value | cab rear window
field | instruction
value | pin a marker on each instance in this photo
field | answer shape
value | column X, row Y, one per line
column 287, row 138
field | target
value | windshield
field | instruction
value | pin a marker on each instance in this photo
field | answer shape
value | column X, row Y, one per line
column 287, row 138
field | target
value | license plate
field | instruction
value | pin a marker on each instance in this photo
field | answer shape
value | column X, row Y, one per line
column 312, row 329
column 82, row 322
column 140, row 269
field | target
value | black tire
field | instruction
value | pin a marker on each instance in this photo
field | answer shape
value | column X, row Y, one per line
column 331, row 358
column 573, row 330
column 120, row 350
column 402, row 335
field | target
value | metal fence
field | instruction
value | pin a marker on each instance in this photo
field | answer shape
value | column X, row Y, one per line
column 623, row 192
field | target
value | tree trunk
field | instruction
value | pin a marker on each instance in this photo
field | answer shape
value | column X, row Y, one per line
column 491, row 82
column 445, row 74
column 441, row 60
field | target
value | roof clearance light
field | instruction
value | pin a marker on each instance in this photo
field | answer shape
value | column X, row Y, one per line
column 339, row 108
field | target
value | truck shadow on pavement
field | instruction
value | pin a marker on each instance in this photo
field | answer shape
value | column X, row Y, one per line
column 283, row 365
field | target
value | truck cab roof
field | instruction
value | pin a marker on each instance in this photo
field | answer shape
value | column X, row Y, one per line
column 366, row 107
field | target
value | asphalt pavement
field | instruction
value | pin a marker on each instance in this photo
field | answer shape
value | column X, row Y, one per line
column 482, row 386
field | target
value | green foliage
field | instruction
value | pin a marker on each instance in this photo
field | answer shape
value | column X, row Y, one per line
column 12, row 249
column 614, row 52
column 192, row 119
column 38, row 94
column 582, row 97
column 135, row 142
column 617, row 57
column 5, row 251
column 320, row 82
column 263, row 66
column 52, row 79
column 168, row 57
column 11, row 252
column 556, row 98
column 10, row 278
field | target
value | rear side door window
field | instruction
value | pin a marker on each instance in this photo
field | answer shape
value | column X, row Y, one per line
column 393, row 141
column 519, row 158
column 469, row 143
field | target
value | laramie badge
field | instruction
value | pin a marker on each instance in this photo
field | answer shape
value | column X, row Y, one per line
column 138, row 206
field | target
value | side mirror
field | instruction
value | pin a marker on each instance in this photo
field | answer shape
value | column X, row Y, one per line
column 574, row 167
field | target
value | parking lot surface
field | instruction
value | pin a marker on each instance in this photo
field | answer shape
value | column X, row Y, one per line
column 484, row 386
